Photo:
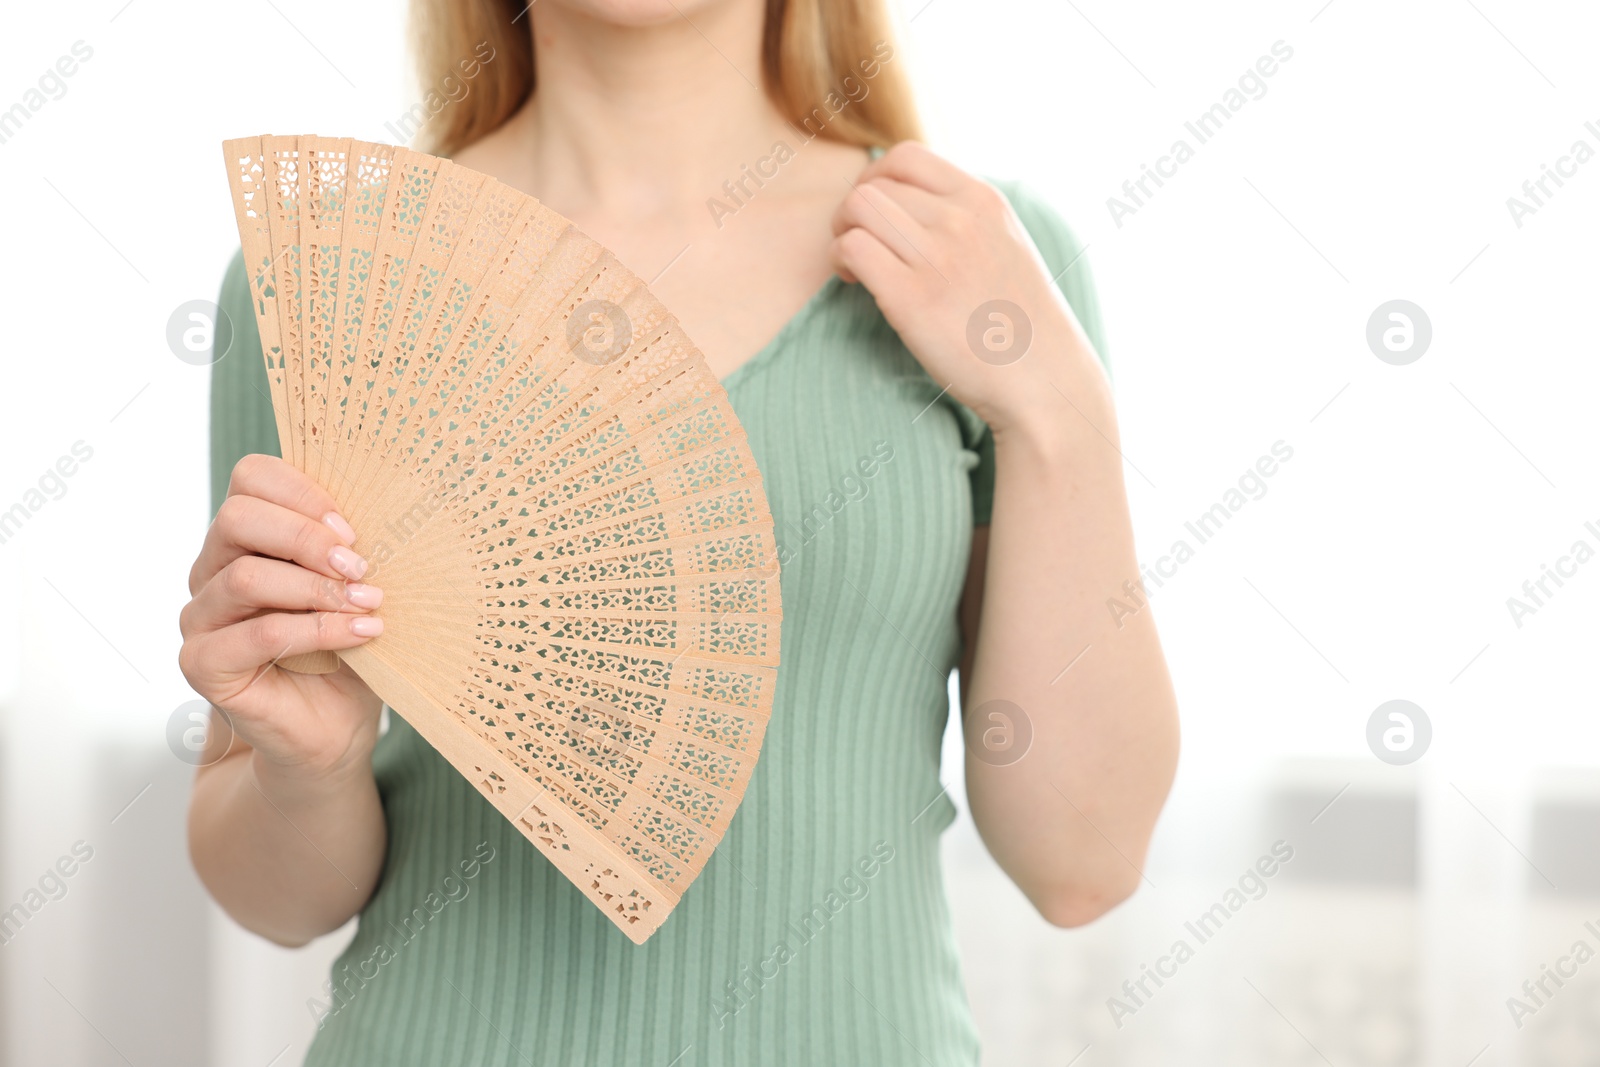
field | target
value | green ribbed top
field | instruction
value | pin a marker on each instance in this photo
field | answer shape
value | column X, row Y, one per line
column 818, row 933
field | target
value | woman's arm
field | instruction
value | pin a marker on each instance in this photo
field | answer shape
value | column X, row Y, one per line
column 1071, row 818
column 289, row 858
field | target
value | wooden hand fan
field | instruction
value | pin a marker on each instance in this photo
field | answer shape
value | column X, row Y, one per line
column 580, row 578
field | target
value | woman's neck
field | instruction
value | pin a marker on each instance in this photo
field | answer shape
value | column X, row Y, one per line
column 637, row 122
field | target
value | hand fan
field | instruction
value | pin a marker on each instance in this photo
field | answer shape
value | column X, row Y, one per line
column 580, row 577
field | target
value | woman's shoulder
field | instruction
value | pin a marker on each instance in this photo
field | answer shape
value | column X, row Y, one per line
column 1064, row 255
column 1055, row 238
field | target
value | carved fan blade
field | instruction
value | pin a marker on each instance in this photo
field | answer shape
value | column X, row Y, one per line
column 580, row 579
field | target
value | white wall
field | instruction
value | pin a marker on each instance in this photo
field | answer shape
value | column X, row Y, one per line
column 1377, row 166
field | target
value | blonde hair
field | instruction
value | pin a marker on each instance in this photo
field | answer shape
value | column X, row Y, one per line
column 816, row 56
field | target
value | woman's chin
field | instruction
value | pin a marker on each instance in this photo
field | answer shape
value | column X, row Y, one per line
column 636, row 12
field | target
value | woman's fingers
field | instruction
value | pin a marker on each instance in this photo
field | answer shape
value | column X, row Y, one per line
column 251, row 525
column 928, row 209
column 271, row 478
column 216, row 661
column 273, row 481
column 252, row 584
column 916, row 164
column 870, row 208
column 858, row 256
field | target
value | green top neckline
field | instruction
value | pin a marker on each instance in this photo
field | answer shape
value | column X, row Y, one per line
column 788, row 330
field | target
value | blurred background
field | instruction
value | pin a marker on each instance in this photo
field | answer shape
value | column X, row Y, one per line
column 1430, row 479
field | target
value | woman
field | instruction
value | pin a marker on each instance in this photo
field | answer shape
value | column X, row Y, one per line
column 945, row 480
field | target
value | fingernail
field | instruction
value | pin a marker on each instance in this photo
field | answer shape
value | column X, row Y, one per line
column 363, row 596
column 347, row 562
column 366, row 626
column 336, row 523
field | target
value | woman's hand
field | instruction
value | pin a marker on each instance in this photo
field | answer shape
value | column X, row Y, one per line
column 277, row 577
column 288, row 831
column 936, row 247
